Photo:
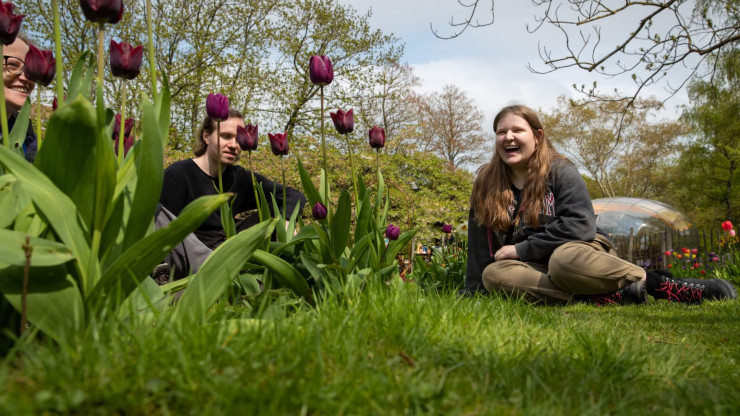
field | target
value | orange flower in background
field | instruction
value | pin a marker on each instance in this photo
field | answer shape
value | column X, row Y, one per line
column 670, row 265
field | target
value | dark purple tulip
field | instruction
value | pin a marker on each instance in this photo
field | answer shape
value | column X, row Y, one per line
column 377, row 137
column 102, row 11
column 320, row 70
column 392, row 232
column 319, row 211
column 217, row 106
column 343, row 122
column 39, row 65
column 447, row 228
column 125, row 60
column 247, row 137
column 9, row 23
column 279, row 143
column 54, row 104
column 128, row 141
column 127, row 127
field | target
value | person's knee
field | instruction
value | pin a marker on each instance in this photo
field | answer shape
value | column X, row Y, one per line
column 500, row 276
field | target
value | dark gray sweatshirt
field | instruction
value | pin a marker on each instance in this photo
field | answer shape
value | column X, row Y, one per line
column 567, row 215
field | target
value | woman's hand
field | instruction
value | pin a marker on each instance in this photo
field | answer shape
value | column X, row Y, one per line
column 506, row 252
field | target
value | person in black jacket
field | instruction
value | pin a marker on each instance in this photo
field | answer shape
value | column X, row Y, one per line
column 17, row 90
column 532, row 230
column 186, row 180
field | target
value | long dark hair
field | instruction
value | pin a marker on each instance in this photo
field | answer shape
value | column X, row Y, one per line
column 492, row 195
column 208, row 127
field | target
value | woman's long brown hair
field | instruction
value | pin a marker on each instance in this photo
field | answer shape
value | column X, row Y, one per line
column 492, row 193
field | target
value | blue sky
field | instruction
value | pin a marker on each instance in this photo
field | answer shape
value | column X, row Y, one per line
column 488, row 63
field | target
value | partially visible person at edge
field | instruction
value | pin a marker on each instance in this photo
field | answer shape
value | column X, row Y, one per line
column 186, row 180
column 532, row 230
column 17, row 89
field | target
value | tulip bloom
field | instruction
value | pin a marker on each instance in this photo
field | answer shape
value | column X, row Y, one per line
column 694, row 251
column 447, row 228
column 320, row 70
column 392, row 232
column 343, row 122
column 217, row 106
column 128, row 141
column 9, row 23
column 127, row 127
column 377, row 137
column 55, row 104
column 39, row 65
column 319, row 211
column 102, row 11
column 125, row 60
column 247, row 137
column 732, row 233
column 279, row 143
column 727, row 226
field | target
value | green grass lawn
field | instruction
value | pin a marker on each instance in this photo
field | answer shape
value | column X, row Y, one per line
column 395, row 350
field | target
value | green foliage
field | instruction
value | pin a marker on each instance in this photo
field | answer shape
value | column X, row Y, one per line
column 445, row 271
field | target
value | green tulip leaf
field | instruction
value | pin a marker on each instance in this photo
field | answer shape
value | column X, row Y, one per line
column 18, row 134
column 135, row 264
column 363, row 218
column 219, row 270
column 162, row 107
column 80, row 82
column 308, row 189
column 149, row 177
column 43, row 252
column 394, row 247
column 340, row 224
column 54, row 304
column 285, row 274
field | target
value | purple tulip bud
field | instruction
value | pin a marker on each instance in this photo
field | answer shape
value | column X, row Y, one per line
column 320, row 70
column 343, row 122
column 102, row 11
column 125, row 60
column 247, row 137
column 392, row 232
column 447, row 228
column 377, row 137
column 217, row 106
column 39, row 65
column 279, row 143
column 128, row 141
column 9, row 23
column 128, row 126
column 319, row 211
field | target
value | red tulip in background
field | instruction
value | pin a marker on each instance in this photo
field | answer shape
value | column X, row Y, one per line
column 40, row 65
column 217, row 106
column 128, row 141
column 279, row 143
column 128, row 126
column 102, row 11
column 247, row 137
column 727, row 226
column 344, row 122
column 10, row 23
column 377, row 137
column 125, row 60
column 320, row 70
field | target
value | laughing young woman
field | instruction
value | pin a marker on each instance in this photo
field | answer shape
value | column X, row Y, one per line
column 17, row 89
column 532, row 230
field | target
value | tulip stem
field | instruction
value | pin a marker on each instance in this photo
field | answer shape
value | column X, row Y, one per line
column 282, row 168
column 254, row 187
column 352, row 167
column 38, row 117
column 218, row 146
column 101, row 54
column 121, row 133
column 152, row 62
column 323, row 152
column 4, row 121
column 58, row 52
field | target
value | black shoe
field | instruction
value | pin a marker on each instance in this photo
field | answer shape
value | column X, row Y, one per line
column 161, row 274
column 692, row 290
column 632, row 294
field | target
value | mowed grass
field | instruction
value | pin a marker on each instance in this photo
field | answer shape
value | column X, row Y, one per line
column 395, row 350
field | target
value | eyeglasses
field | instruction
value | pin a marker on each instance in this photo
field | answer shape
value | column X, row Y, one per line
column 13, row 65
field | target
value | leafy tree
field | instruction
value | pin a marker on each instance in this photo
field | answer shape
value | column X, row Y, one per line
column 710, row 168
column 633, row 166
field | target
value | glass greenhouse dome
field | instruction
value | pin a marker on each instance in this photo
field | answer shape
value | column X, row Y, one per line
column 616, row 216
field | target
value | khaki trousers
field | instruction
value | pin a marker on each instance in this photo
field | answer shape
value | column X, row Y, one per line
column 575, row 268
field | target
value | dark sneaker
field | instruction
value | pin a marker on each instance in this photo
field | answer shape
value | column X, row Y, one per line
column 693, row 290
column 632, row 294
column 161, row 274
